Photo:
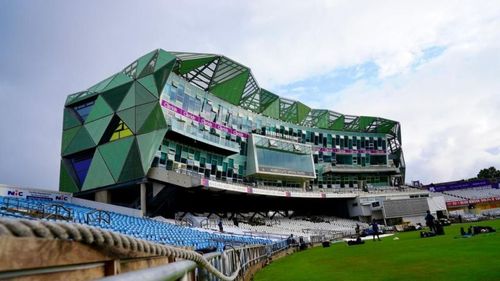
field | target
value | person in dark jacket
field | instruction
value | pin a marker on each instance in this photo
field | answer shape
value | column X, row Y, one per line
column 429, row 221
column 375, row 230
column 221, row 229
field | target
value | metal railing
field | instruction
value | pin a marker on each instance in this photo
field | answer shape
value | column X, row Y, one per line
column 235, row 261
column 97, row 216
column 335, row 188
column 37, row 209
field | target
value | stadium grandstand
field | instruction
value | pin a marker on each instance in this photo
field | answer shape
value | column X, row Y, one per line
column 195, row 133
column 479, row 195
column 31, row 204
column 186, row 150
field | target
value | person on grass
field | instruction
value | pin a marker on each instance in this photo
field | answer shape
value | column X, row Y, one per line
column 375, row 230
column 429, row 221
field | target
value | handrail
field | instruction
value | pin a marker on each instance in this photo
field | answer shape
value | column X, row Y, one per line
column 101, row 216
column 315, row 188
column 228, row 265
column 169, row 272
column 239, row 258
column 58, row 213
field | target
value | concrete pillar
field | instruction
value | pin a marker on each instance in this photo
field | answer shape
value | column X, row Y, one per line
column 103, row 196
column 143, row 199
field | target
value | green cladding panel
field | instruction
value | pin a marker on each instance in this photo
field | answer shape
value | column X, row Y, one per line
column 302, row 111
column 364, row 122
column 67, row 137
column 273, row 109
column 189, row 65
column 231, row 89
column 136, row 95
column 100, row 109
column 128, row 117
column 81, row 141
column 115, row 153
column 322, row 121
column 266, row 98
column 132, row 168
column 147, row 144
column 164, row 58
column 161, row 75
column 101, row 85
column 114, row 97
column 66, row 182
column 98, row 174
column 144, row 61
column 142, row 113
column 338, row 124
column 143, row 95
column 96, row 128
column 386, row 126
column 129, row 99
column 118, row 80
column 155, row 121
column 131, row 96
column 70, row 119
column 150, row 85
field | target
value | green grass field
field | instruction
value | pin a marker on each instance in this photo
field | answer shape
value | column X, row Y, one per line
column 409, row 258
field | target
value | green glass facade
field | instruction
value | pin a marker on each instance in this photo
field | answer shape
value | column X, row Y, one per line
column 198, row 112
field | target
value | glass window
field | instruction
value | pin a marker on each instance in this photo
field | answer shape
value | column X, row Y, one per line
column 81, row 166
column 286, row 162
column 83, row 109
column 163, row 158
column 121, row 131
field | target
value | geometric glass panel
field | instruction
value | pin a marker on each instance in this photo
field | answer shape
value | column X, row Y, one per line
column 120, row 132
column 81, row 166
column 83, row 109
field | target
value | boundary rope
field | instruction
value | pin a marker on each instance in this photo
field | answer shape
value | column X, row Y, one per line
column 102, row 238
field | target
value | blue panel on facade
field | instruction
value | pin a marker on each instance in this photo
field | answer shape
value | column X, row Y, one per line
column 81, row 166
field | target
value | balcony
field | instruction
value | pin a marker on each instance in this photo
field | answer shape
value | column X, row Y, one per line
column 193, row 132
column 357, row 169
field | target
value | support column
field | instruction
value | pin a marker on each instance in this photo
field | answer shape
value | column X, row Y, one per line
column 103, row 196
column 143, row 199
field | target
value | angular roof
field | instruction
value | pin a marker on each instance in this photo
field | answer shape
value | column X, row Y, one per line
column 228, row 80
column 235, row 83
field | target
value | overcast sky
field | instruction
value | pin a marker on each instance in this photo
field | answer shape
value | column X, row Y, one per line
column 434, row 66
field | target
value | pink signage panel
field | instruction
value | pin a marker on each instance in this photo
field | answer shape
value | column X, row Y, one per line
column 201, row 120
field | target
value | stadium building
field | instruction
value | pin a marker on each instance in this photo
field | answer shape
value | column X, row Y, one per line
column 195, row 132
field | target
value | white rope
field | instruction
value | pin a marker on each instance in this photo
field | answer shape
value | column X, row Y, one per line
column 102, row 238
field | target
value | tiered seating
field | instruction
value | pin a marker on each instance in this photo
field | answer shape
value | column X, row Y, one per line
column 491, row 212
column 472, row 193
column 296, row 226
column 145, row 228
column 476, row 193
column 448, row 197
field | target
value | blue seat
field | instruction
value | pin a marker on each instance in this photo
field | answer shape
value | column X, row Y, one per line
column 144, row 228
